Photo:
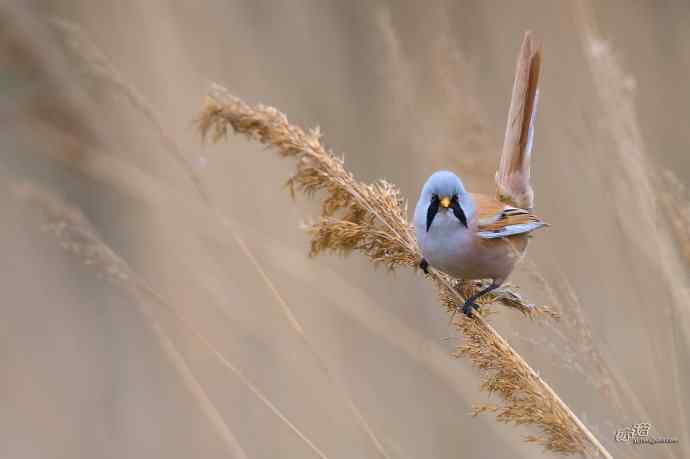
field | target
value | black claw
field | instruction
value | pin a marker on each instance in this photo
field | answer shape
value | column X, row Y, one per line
column 470, row 303
column 468, row 307
column 424, row 265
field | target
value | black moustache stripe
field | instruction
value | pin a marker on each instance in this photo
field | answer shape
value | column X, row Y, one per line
column 431, row 213
column 459, row 214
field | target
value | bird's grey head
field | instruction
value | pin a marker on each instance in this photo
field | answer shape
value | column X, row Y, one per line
column 444, row 191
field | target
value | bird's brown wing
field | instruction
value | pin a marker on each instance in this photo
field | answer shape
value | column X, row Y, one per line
column 497, row 220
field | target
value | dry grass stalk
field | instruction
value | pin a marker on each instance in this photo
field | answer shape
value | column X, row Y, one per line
column 94, row 65
column 635, row 189
column 97, row 68
column 526, row 400
column 433, row 94
column 575, row 338
column 371, row 218
column 674, row 201
column 78, row 237
column 507, row 295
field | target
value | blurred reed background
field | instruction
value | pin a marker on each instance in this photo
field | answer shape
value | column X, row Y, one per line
column 183, row 329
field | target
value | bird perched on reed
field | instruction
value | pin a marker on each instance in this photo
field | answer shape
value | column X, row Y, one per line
column 474, row 236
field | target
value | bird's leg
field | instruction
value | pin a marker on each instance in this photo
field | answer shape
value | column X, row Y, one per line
column 470, row 302
column 424, row 265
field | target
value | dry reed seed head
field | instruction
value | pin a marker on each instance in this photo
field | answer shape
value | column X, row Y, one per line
column 372, row 218
column 479, row 408
column 319, row 170
column 342, row 236
column 524, row 400
column 76, row 235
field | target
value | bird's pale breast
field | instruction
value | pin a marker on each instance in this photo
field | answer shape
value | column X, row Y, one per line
column 459, row 252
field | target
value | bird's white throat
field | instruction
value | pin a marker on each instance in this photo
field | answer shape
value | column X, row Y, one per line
column 446, row 239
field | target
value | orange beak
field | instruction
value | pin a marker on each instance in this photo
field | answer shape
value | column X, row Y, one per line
column 445, row 202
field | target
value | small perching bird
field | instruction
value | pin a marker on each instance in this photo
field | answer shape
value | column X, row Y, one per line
column 474, row 236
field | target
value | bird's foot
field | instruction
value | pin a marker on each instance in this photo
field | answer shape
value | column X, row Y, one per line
column 424, row 265
column 468, row 308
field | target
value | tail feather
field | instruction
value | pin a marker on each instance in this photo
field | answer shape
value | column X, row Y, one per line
column 513, row 175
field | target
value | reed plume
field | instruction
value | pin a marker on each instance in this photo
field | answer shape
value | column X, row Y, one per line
column 371, row 218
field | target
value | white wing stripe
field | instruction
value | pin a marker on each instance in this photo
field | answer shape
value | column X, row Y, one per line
column 511, row 230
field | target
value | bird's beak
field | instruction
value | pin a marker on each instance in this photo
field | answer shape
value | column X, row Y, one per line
column 445, row 202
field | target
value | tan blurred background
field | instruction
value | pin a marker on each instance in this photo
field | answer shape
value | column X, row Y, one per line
column 242, row 346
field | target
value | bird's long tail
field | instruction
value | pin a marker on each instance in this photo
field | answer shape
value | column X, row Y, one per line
column 513, row 175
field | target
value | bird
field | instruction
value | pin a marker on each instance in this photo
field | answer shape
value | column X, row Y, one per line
column 470, row 235
column 474, row 236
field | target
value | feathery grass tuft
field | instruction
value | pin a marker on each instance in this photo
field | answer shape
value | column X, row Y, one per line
column 525, row 399
column 372, row 218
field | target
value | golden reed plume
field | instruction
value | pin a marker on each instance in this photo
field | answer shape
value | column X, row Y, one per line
column 372, row 218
